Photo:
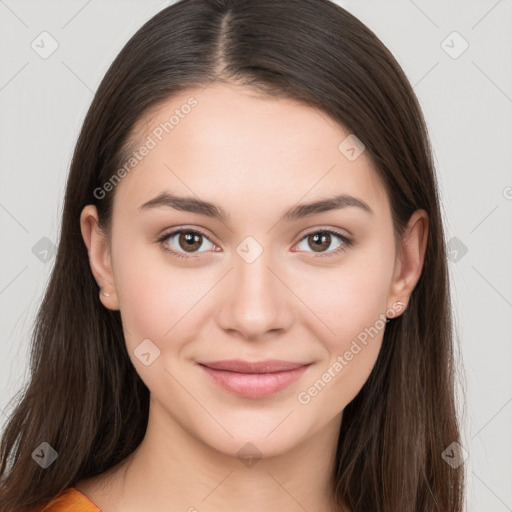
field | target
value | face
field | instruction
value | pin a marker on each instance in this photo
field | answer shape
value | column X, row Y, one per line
column 253, row 284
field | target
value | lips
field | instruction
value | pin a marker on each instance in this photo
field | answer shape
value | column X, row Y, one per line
column 240, row 366
column 253, row 379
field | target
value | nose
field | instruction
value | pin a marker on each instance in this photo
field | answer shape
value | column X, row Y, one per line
column 256, row 300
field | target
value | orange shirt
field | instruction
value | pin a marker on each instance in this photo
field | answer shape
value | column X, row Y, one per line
column 70, row 500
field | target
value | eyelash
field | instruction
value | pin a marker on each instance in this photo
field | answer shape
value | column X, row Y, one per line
column 347, row 243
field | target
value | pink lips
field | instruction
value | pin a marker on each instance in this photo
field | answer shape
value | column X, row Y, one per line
column 254, row 380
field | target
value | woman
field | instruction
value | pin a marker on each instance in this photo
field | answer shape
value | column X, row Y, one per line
column 250, row 301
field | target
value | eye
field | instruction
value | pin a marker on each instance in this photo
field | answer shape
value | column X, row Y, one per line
column 186, row 241
column 320, row 240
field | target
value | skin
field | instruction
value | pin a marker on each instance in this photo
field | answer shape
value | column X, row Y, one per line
column 255, row 157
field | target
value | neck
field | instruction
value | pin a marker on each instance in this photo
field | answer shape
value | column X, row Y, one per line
column 174, row 470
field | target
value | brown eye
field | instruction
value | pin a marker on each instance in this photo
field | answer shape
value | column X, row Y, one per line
column 320, row 242
column 189, row 241
column 184, row 241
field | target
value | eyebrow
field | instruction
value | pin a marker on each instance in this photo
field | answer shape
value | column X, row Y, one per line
column 200, row 207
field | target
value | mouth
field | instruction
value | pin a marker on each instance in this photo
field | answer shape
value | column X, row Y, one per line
column 254, row 379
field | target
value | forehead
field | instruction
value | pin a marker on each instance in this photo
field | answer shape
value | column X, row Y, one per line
column 228, row 143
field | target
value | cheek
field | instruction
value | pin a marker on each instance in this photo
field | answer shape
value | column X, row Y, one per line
column 150, row 295
column 356, row 321
column 349, row 298
column 159, row 300
column 351, row 304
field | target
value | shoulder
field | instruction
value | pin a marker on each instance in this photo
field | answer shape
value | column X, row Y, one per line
column 69, row 500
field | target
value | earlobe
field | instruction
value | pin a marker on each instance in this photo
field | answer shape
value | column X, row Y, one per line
column 409, row 263
column 98, row 250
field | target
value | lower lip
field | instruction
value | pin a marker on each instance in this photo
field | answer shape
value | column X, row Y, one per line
column 254, row 385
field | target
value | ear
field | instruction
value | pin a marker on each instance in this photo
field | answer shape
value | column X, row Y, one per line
column 98, row 248
column 409, row 261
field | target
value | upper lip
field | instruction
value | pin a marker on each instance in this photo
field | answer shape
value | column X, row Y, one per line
column 240, row 366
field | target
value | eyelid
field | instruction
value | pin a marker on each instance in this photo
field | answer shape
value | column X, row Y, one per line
column 343, row 233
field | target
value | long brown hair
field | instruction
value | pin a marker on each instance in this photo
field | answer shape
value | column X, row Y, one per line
column 84, row 397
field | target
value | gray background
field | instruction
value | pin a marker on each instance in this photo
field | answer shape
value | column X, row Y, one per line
column 467, row 101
